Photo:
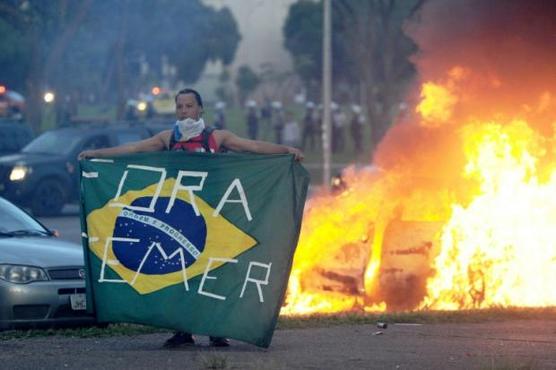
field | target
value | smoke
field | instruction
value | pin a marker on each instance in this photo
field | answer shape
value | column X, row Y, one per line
column 483, row 61
column 487, row 74
column 503, row 37
column 497, row 60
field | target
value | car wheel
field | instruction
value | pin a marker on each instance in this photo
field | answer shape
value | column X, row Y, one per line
column 49, row 198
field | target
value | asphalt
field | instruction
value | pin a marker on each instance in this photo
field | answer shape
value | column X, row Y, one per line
column 528, row 344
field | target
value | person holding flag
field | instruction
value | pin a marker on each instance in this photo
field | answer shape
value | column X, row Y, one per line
column 191, row 135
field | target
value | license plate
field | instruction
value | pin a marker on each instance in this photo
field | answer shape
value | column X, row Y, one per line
column 78, row 302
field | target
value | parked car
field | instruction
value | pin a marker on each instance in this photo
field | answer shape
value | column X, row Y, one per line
column 12, row 103
column 44, row 175
column 41, row 277
column 148, row 106
column 164, row 103
column 14, row 135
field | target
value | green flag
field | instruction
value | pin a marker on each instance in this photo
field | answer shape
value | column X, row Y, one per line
column 195, row 242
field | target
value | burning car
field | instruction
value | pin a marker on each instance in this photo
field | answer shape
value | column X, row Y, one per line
column 463, row 215
column 12, row 103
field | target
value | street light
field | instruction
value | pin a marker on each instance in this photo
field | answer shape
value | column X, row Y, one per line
column 142, row 106
column 326, row 92
column 49, row 97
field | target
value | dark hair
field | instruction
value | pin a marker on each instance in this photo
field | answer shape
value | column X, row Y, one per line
column 190, row 91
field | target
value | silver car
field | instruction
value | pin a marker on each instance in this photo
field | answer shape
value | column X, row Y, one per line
column 41, row 277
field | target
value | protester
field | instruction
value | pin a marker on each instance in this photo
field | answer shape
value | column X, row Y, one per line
column 291, row 133
column 356, row 128
column 338, row 123
column 318, row 114
column 187, row 130
column 278, row 121
column 252, row 120
column 220, row 121
column 310, row 129
column 266, row 119
column 190, row 134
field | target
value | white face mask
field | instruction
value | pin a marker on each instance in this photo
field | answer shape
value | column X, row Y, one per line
column 188, row 128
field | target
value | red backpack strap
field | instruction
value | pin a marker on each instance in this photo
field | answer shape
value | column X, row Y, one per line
column 172, row 141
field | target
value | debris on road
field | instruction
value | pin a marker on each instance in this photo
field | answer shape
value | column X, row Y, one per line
column 382, row 325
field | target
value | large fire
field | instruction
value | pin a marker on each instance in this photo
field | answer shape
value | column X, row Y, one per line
column 458, row 211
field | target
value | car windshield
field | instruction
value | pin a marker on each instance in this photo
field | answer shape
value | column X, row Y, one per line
column 50, row 142
column 13, row 137
column 14, row 222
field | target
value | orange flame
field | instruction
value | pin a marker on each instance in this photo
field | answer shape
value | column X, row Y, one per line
column 479, row 233
column 500, row 249
column 459, row 208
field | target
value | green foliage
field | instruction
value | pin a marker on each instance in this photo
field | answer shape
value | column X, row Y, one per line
column 82, row 332
column 188, row 33
column 214, row 362
column 13, row 56
column 246, row 81
column 370, row 52
column 303, row 38
column 224, row 90
column 317, row 320
column 417, row 317
column 99, row 48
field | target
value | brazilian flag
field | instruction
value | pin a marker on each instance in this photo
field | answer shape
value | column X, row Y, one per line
column 195, row 242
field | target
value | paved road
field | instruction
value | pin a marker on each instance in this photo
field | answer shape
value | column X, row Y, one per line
column 504, row 345
column 501, row 345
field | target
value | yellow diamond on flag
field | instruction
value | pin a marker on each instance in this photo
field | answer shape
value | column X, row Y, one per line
column 153, row 242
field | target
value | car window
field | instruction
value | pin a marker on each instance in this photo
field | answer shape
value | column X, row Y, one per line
column 6, row 142
column 128, row 137
column 22, row 137
column 13, row 138
column 96, row 142
column 13, row 219
column 53, row 142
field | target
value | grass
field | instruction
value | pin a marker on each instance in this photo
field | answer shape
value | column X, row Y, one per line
column 315, row 321
column 214, row 362
column 418, row 317
column 313, row 157
column 236, row 122
column 83, row 332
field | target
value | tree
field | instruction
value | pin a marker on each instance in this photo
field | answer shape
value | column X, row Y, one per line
column 185, row 35
column 224, row 90
column 98, row 46
column 381, row 52
column 370, row 51
column 188, row 33
column 47, row 29
column 13, row 50
column 303, row 39
column 246, row 82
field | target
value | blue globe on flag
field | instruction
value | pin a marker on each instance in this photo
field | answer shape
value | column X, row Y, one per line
column 175, row 239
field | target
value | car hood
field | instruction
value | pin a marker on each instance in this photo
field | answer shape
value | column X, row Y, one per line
column 30, row 158
column 40, row 251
